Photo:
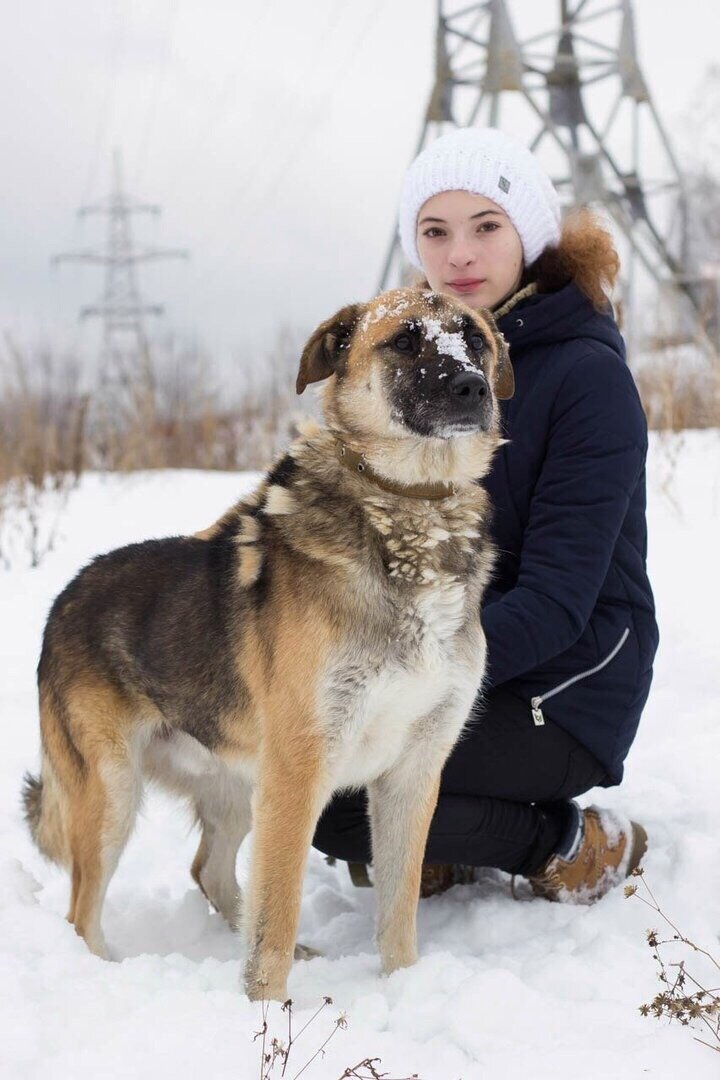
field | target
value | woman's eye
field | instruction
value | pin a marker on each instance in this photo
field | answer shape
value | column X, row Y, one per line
column 489, row 226
column 404, row 343
column 432, row 231
column 477, row 342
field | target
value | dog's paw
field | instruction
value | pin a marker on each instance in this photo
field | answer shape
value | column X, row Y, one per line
column 393, row 960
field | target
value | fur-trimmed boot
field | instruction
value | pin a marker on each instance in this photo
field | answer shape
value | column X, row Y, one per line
column 603, row 851
column 439, row 877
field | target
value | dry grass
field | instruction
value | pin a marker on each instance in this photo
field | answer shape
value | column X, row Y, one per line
column 164, row 409
column 275, row 1052
column 43, row 414
column 168, row 409
column 156, row 410
column 43, row 445
column 683, row 997
column 680, row 389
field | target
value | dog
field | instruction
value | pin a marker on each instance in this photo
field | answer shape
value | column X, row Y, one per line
column 323, row 634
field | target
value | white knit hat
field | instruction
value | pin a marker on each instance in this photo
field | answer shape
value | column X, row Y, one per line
column 487, row 162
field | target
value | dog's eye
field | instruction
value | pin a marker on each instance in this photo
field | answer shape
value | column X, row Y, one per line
column 477, row 342
column 404, row 343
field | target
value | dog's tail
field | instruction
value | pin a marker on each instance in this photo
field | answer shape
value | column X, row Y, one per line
column 46, row 800
column 32, row 803
column 45, row 814
column 44, row 807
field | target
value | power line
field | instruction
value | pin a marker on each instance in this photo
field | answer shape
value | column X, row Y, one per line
column 226, row 96
column 243, row 182
column 314, row 121
column 158, row 84
column 317, row 117
column 107, row 105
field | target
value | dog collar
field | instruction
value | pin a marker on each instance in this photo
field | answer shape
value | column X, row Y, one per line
column 356, row 463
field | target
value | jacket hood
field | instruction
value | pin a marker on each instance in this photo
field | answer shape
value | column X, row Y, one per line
column 551, row 318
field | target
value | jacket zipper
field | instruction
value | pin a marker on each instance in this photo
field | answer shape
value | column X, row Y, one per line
column 536, row 702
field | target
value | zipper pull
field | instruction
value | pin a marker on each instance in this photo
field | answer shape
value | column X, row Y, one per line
column 537, row 714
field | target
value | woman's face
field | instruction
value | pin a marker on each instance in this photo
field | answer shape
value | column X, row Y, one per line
column 469, row 248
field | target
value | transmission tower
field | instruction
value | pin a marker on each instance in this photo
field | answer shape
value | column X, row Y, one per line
column 576, row 94
column 121, row 308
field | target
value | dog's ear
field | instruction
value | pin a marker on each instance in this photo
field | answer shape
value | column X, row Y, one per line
column 504, row 375
column 322, row 352
column 503, row 382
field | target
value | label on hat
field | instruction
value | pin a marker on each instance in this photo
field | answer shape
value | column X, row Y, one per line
column 504, row 184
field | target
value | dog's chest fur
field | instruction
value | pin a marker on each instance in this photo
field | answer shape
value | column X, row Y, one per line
column 417, row 681
column 396, row 584
column 413, row 571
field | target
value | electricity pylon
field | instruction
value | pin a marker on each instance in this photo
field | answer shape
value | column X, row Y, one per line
column 121, row 307
column 576, row 94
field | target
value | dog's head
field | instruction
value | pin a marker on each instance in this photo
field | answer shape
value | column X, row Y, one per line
column 411, row 363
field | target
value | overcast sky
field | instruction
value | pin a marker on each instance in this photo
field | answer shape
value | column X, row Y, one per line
column 274, row 134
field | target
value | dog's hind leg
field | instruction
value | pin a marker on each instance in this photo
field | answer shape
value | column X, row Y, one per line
column 81, row 809
column 102, row 814
column 223, row 812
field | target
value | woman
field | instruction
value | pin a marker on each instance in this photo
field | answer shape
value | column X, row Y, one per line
column 569, row 618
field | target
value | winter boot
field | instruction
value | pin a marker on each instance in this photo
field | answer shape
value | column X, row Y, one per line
column 436, row 877
column 604, row 850
column 439, row 877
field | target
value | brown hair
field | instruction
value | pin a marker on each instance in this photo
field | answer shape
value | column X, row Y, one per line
column 585, row 254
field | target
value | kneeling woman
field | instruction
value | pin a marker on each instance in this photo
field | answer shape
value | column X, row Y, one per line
column 569, row 619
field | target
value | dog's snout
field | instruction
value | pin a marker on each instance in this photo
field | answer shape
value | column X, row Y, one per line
column 470, row 386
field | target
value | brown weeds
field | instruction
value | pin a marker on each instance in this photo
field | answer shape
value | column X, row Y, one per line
column 678, row 1000
column 679, row 391
column 43, row 418
column 276, row 1053
column 167, row 408
column 162, row 409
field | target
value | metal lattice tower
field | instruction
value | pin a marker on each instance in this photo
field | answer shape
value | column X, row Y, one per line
column 576, row 95
column 121, row 307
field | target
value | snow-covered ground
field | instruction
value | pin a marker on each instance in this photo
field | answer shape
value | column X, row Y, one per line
column 504, row 988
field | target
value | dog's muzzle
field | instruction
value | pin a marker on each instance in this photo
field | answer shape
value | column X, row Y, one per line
column 470, row 401
column 470, row 387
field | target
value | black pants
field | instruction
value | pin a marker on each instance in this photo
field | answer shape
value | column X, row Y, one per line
column 503, row 796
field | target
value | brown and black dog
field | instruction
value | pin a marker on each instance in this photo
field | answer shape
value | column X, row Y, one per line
column 323, row 634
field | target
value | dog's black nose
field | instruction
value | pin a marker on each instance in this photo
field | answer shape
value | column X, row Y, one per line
column 470, row 386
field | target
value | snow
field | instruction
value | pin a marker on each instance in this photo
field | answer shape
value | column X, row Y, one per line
column 380, row 311
column 504, row 988
column 448, row 343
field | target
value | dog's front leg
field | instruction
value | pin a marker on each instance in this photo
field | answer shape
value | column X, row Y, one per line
column 289, row 796
column 401, row 804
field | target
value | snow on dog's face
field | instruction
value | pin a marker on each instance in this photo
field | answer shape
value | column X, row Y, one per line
column 409, row 363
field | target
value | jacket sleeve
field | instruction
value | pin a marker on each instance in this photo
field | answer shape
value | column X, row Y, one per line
column 597, row 445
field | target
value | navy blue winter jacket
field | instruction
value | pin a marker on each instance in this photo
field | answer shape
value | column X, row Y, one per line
column 569, row 617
